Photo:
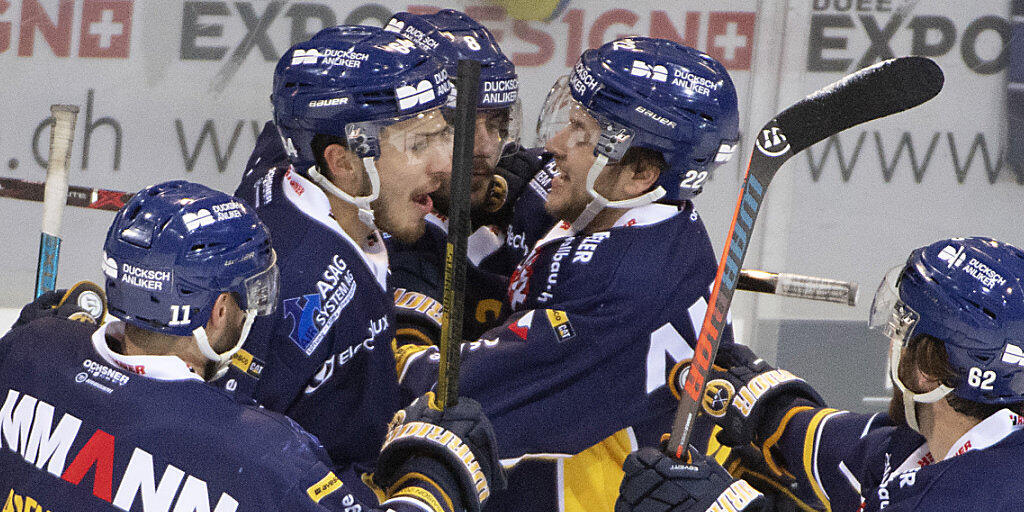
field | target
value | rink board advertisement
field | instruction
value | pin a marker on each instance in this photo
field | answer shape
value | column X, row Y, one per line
column 180, row 89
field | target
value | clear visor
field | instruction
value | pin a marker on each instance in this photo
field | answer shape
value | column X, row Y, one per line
column 888, row 312
column 496, row 132
column 261, row 289
column 418, row 137
column 554, row 114
column 513, row 127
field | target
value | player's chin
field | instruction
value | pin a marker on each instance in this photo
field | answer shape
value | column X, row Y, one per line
column 409, row 230
column 556, row 205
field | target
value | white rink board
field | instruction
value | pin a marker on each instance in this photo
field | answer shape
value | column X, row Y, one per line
column 176, row 68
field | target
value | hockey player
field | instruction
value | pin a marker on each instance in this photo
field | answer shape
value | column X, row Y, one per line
column 952, row 439
column 418, row 269
column 581, row 365
column 122, row 418
column 358, row 111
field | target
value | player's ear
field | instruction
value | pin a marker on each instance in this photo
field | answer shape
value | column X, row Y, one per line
column 222, row 309
column 344, row 168
column 640, row 175
column 923, row 381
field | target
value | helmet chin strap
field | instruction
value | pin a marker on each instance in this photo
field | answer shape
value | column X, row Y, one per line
column 911, row 398
column 223, row 360
column 600, row 202
column 360, row 202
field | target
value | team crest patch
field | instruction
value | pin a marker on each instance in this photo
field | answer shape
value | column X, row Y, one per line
column 717, row 397
column 302, row 310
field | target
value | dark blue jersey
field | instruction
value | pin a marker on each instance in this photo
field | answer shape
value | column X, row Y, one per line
column 859, row 462
column 417, row 273
column 578, row 374
column 326, row 353
column 530, row 221
column 84, row 428
column 418, row 269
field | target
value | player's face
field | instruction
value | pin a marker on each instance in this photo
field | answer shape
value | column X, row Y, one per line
column 573, row 147
column 490, row 134
column 416, row 156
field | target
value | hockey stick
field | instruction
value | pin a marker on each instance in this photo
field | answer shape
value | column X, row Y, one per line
column 798, row 286
column 886, row 88
column 82, row 197
column 467, row 84
column 55, row 195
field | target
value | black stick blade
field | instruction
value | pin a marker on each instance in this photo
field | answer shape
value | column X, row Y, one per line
column 876, row 91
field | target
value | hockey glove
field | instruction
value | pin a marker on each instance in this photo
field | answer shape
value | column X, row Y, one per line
column 655, row 482
column 84, row 302
column 782, row 492
column 453, row 450
column 746, row 396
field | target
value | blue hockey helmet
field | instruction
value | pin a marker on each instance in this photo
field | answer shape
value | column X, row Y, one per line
column 174, row 248
column 657, row 94
column 967, row 293
column 453, row 35
column 351, row 81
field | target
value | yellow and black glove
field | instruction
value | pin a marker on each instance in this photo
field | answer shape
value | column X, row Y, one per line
column 83, row 302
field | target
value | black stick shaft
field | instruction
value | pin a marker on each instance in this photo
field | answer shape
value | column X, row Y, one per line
column 467, row 84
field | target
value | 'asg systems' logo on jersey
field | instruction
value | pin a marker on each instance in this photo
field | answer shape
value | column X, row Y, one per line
column 313, row 315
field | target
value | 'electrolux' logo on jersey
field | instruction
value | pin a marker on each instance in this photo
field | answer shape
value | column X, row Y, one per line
column 376, row 328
